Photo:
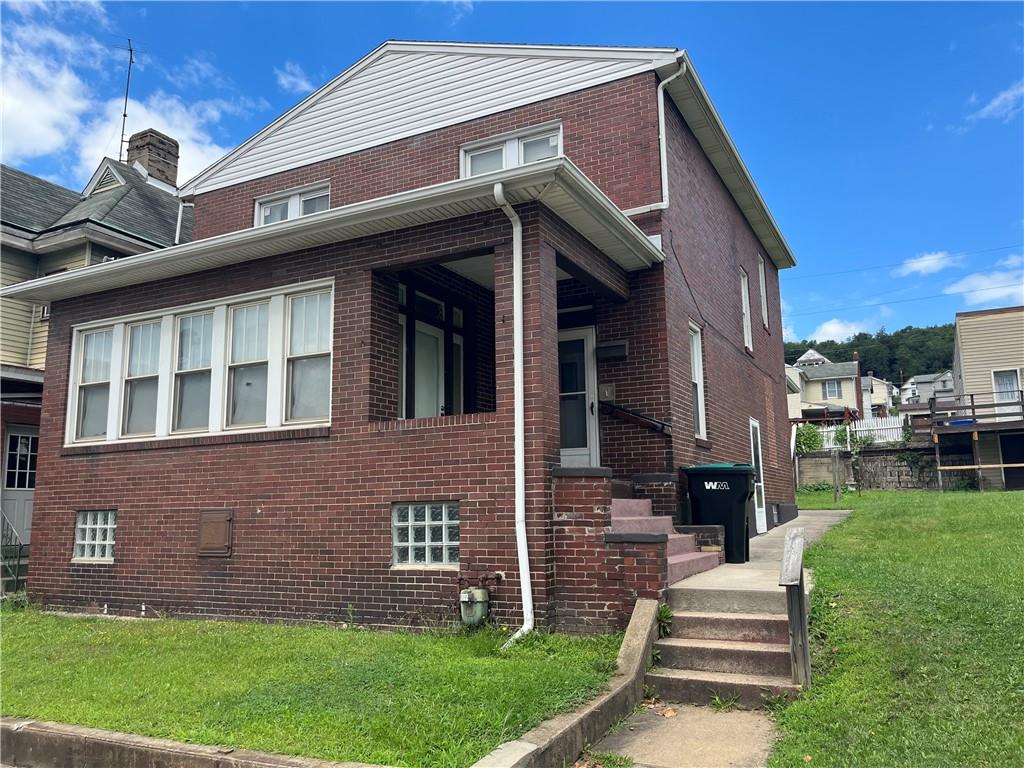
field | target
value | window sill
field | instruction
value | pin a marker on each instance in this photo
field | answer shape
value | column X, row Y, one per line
column 433, row 422
column 90, row 561
column 749, row 351
column 185, row 441
column 701, row 442
column 454, row 568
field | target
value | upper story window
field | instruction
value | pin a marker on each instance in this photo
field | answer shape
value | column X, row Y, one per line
column 748, row 337
column 697, row 381
column 292, row 204
column 763, row 285
column 258, row 361
column 832, row 389
column 510, row 150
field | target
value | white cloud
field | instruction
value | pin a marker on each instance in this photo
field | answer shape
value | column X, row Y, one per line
column 839, row 330
column 198, row 70
column 1004, row 106
column 458, row 10
column 996, row 287
column 789, row 333
column 1013, row 261
column 928, row 263
column 291, row 78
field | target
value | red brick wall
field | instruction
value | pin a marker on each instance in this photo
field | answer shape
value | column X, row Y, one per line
column 706, row 241
column 609, row 131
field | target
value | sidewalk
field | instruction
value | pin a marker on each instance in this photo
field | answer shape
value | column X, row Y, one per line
column 683, row 736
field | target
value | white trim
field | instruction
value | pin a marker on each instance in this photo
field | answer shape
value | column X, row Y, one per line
column 697, row 377
column 94, row 180
column 748, row 333
column 511, row 143
column 219, row 363
column 763, row 284
column 760, row 513
column 294, row 197
column 591, row 455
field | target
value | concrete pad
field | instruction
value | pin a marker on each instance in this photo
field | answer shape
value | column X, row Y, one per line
column 697, row 737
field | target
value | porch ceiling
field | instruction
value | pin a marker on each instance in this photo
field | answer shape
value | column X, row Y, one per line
column 557, row 183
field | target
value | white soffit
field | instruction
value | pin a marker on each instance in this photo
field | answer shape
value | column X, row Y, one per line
column 559, row 184
column 403, row 89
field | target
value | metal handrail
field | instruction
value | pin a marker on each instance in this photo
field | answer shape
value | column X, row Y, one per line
column 791, row 576
column 10, row 541
column 635, row 417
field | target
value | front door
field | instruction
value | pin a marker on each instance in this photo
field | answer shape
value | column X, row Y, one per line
column 577, row 398
column 21, row 445
column 755, row 459
column 1011, row 448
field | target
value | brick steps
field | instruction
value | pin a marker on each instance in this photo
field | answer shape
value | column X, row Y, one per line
column 700, row 687
column 634, row 516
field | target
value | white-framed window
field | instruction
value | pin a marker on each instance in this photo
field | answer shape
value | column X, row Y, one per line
column 763, row 285
column 292, row 204
column 748, row 337
column 832, row 389
column 512, row 149
column 94, row 535
column 257, row 361
column 697, row 381
column 425, row 534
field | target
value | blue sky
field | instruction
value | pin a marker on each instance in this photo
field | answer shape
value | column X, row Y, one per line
column 886, row 138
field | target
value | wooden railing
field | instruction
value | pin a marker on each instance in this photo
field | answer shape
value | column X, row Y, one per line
column 977, row 409
column 791, row 576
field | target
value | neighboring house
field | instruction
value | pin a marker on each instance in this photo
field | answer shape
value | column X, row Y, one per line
column 878, row 393
column 46, row 229
column 922, row 388
column 437, row 309
column 987, row 406
column 828, row 391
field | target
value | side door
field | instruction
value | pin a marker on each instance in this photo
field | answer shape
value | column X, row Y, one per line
column 21, row 448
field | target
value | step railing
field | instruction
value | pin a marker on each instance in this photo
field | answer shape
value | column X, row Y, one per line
column 11, row 551
column 635, row 417
column 791, row 576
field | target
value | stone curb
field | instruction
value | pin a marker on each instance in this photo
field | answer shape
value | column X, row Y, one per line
column 37, row 744
column 559, row 741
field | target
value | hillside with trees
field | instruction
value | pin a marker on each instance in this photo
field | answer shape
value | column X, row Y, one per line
column 911, row 350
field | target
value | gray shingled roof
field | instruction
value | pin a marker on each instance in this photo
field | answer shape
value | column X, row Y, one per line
column 135, row 208
column 926, row 378
column 830, row 371
column 30, row 203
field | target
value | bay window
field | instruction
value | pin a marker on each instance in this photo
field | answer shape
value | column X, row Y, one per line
column 253, row 362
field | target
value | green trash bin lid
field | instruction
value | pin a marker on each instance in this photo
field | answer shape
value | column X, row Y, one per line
column 722, row 467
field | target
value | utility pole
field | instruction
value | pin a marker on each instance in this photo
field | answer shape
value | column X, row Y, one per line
column 124, row 112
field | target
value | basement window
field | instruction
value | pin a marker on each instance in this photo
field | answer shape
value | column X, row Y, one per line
column 511, row 150
column 292, row 204
column 425, row 534
column 94, row 535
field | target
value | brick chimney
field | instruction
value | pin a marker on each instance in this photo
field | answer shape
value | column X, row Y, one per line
column 157, row 153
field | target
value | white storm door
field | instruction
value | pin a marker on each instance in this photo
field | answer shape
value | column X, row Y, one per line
column 21, row 447
column 577, row 398
column 755, row 460
column 429, row 380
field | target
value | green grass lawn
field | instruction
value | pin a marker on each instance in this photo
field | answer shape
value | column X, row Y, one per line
column 918, row 617
column 439, row 699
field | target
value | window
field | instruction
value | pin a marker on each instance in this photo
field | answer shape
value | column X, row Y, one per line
column 141, row 379
column 748, row 339
column 257, row 361
column 309, row 357
column 94, row 535
column 512, row 150
column 94, row 384
column 193, row 373
column 425, row 534
column 697, row 380
column 832, row 389
column 20, row 467
column 247, row 371
column 763, row 284
column 292, row 205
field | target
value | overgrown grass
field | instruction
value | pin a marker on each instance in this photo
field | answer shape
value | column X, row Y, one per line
column 439, row 699
column 918, row 618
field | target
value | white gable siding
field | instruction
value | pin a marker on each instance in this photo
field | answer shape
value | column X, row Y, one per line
column 397, row 93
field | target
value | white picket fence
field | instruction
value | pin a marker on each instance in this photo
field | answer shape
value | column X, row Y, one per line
column 881, row 430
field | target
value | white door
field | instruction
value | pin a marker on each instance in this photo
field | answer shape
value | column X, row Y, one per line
column 755, row 459
column 21, row 446
column 429, row 379
column 577, row 398
column 1006, row 385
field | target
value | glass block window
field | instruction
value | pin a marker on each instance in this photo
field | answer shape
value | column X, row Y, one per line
column 425, row 534
column 94, row 535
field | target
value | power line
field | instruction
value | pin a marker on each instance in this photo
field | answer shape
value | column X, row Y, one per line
column 904, row 301
column 920, row 259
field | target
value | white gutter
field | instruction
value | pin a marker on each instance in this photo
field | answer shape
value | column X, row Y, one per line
column 177, row 228
column 522, row 551
column 662, row 146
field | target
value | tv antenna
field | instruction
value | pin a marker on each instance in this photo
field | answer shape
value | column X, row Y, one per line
column 124, row 112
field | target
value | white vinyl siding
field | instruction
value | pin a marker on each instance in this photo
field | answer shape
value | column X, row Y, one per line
column 512, row 149
column 748, row 338
column 397, row 93
column 205, row 368
column 763, row 286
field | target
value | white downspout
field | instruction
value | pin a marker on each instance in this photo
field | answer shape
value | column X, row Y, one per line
column 177, row 228
column 519, row 414
column 662, row 146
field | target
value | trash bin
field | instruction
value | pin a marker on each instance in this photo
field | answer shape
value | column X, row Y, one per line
column 723, row 494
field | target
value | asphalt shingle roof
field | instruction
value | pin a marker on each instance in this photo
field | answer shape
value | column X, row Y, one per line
column 30, row 203
column 830, row 371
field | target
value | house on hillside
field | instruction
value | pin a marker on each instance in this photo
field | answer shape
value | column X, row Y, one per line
column 923, row 387
column 823, row 391
column 985, row 415
column 878, row 395
column 434, row 318
column 48, row 230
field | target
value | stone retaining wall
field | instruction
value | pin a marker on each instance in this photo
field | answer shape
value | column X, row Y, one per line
column 895, row 468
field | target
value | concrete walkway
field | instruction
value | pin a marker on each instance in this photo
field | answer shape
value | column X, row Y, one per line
column 702, row 737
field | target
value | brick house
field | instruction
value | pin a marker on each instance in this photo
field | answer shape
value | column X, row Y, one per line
column 433, row 317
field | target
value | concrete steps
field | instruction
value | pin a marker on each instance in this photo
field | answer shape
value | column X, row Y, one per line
column 749, row 627
column 691, row 563
column 704, row 600
column 733, row 656
column 699, row 687
column 634, row 516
